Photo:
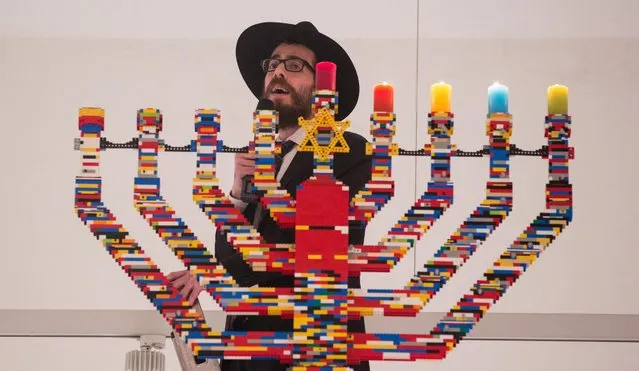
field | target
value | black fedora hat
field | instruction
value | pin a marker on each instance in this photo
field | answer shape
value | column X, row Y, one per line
column 258, row 42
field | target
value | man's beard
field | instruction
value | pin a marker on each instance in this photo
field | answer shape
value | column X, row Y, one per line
column 300, row 105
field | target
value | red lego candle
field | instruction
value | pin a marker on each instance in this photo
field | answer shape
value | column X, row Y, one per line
column 325, row 76
column 383, row 98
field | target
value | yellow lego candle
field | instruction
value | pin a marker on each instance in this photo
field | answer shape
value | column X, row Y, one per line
column 440, row 94
column 558, row 100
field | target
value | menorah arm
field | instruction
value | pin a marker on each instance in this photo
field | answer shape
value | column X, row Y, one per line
column 235, row 230
column 459, row 247
column 386, row 302
column 184, row 353
column 398, row 347
column 150, row 280
column 132, row 259
column 405, row 234
column 234, row 227
column 238, row 263
column 241, row 345
column 371, row 199
column 281, row 207
column 213, row 272
column 257, row 301
column 471, row 307
column 206, row 268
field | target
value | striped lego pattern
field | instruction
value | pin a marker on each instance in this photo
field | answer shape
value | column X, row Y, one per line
column 328, row 99
column 416, row 222
column 148, row 201
column 275, row 199
column 503, row 274
column 499, row 130
column 127, row 253
column 321, row 274
column 206, row 192
column 321, row 334
column 221, row 210
column 265, row 126
column 461, row 245
column 114, row 237
column 124, row 250
column 182, row 241
column 398, row 347
column 321, row 301
column 380, row 189
column 484, row 220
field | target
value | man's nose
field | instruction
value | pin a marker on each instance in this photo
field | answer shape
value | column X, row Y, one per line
column 280, row 70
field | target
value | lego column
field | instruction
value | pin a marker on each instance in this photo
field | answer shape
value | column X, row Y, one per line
column 325, row 140
column 558, row 188
column 276, row 200
column 321, row 276
column 380, row 189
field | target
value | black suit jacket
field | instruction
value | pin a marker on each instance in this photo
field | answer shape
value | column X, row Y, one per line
column 354, row 169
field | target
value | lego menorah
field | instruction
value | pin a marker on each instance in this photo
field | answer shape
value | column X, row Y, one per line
column 321, row 260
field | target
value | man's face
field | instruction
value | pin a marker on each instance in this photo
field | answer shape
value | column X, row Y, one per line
column 291, row 92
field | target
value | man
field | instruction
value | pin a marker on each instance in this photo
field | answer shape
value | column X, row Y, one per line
column 277, row 62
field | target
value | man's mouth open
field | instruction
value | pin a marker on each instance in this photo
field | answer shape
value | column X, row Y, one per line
column 279, row 92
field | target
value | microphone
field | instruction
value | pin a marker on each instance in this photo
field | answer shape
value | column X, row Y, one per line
column 265, row 104
column 248, row 193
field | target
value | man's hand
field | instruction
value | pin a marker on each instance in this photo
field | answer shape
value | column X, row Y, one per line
column 186, row 283
column 244, row 165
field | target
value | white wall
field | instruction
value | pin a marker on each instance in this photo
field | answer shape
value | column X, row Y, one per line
column 58, row 56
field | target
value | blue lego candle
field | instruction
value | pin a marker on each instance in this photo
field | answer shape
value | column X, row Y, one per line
column 497, row 98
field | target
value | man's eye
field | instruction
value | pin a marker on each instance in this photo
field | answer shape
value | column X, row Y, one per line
column 295, row 63
column 273, row 63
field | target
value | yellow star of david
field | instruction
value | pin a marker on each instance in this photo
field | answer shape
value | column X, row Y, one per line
column 324, row 119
